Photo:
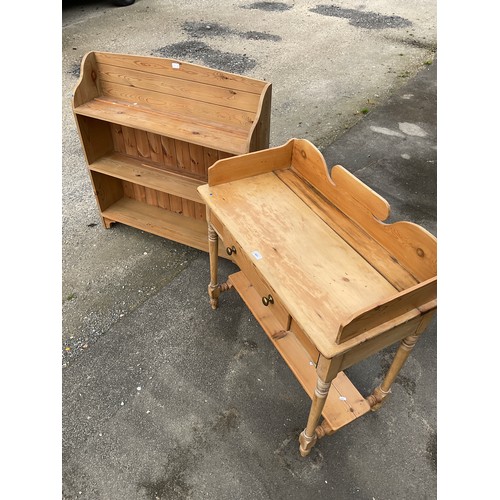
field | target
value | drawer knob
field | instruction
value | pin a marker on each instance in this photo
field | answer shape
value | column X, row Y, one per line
column 230, row 250
column 268, row 300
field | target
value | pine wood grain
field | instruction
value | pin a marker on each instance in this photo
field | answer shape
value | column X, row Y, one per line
column 164, row 223
column 389, row 309
column 338, row 277
column 263, row 215
column 164, row 67
column 173, row 86
column 151, row 127
column 256, row 163
column 139, row 172
column 361, row 241
column 185, row 128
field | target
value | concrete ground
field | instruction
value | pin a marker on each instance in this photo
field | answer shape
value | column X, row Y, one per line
column 164, row 398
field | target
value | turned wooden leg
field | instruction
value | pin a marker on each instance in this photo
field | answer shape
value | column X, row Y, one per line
column 213, row 252
column 323, row 429
column 308, row 436
column 379, row 395
column 214, row 288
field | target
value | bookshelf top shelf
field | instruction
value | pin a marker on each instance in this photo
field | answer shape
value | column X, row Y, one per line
column 187, row 102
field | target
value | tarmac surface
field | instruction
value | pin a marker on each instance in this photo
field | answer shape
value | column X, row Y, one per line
column 164, row 398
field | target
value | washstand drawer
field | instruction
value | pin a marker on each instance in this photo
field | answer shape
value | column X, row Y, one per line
column 266, row 292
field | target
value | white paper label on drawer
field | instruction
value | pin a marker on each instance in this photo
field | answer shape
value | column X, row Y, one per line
column 176, row 65
column 257, row 255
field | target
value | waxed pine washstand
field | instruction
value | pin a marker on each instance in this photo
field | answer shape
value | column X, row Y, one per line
column 151, row 127
column 328, row 281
